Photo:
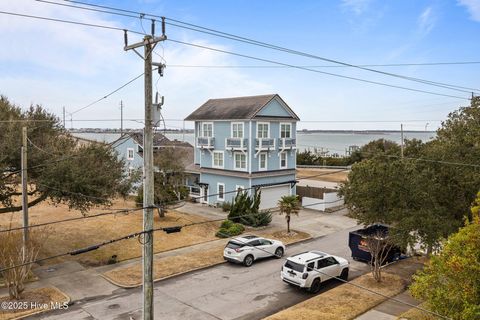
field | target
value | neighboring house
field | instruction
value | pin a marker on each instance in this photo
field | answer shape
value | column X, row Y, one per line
column 130, row 149
column 245, row 143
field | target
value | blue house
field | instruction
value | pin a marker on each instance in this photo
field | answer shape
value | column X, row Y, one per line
column 245, row 143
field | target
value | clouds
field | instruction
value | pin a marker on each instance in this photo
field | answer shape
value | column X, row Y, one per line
column 356, row 6
column 473, row 7
column 426, row 21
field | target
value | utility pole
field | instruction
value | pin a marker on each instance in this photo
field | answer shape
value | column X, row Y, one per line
column 63, row 117
column 24, row 189
column 148, row 44
column 121, row 117
column 401, row 137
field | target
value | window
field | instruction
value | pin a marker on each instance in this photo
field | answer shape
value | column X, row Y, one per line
column 265, row 242
column 311, row 266
column 207, row 129
column 237, row 130
column 330, row 261
column 262, row 130
column 283, row 160
column 285, row 130
column 218, row 159
column 131, row 172
column 255, row 243
column 130, row 154
column 240, row 161
column 294, row 266
column 220, row 191
column 262, row 161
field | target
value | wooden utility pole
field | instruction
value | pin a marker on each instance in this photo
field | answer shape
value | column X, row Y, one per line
column 401, row 142
column 148, row 44
column 121, row 117
column 24, row 188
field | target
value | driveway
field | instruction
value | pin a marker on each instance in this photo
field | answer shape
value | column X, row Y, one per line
column 223, row 292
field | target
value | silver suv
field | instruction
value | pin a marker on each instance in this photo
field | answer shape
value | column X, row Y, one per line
column 249, row 248
column 309, row 269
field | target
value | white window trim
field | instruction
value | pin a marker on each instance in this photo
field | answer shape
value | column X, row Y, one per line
column 235, row 161
column 286, row 160
column 218, row 191
column 260, row 161
column 213, row 160
column 268, row 131
column 202, row 132
column 243, row 129
column 128, row 154
column 280, row 129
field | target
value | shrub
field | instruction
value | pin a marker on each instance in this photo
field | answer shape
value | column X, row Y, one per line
column 226, row 206
column 229, row 229
column 259, row 219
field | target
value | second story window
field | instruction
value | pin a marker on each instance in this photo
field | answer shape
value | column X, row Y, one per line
column 207, row 129
column 285, row 130
column 262, row 130
column 237, row 130
column 240, row 161
column 130, row 154
column 283, row 160
column 218, row 159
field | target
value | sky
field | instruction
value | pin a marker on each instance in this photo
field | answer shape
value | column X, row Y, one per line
column 61, row 65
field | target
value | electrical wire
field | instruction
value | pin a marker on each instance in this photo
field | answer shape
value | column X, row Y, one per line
column 201, row 29
column 313, row 70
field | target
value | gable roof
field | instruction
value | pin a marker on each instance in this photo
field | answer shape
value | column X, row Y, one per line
column 238, row 108
column 158, row 138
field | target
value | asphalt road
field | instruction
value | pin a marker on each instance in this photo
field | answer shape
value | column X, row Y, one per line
column 227, row 291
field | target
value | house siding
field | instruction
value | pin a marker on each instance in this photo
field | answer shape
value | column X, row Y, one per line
column 230, row 186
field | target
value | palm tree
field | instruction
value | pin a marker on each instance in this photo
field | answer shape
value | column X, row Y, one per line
column 289, row 205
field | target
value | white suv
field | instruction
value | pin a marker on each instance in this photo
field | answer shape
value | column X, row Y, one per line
column 248, row 248
column 309, row 269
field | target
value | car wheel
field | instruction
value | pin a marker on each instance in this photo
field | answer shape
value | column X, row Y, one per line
column 315, row 287
column 279, row 252
column 248, row 261
column 344, row 274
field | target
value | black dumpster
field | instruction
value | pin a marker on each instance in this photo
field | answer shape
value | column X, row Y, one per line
column 358, row 244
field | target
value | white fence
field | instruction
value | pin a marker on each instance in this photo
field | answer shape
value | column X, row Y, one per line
column 329, row 200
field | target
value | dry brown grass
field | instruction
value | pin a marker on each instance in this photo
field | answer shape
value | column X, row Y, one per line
column 42, row 298
column 333, row 177
column 415, row 314
column 346, row 301
column 170, row 266
column 69, row 236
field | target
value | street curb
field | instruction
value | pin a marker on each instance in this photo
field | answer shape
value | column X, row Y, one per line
column 192, row 270
column 68, row 300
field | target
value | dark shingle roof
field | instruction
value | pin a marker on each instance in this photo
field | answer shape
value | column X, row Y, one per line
column 158, row 138
column 232, row 108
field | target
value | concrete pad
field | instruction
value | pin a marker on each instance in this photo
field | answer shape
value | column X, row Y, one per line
column 375, row 315
column 395, row 308
column 50, row 271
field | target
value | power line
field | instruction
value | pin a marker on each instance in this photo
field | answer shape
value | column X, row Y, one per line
column 321, row 66
column 316, row 71
column 69, row 22
column 201, row 29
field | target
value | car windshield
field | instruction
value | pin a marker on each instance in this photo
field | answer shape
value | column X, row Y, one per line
column 234, row 245
column 295, row 266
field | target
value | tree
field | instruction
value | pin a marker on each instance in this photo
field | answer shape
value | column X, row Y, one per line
column 450, row 282
column 59, row 169
column 289, row 205
column 245, row 210
column 379, row 246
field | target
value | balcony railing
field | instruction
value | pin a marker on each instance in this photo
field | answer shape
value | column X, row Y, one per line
column 206, row 142
column 287, row 143
column 236, row 143
column 264, row 144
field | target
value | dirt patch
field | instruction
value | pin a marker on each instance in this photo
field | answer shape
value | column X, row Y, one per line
column 334, row 176
column 170, row 266
column 34, row 301
column 73, row 235
column 347, row 301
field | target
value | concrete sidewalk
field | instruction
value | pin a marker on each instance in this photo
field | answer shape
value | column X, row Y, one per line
column 390, row 310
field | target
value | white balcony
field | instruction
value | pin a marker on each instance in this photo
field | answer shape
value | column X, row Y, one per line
column 286, row 144
column 206, row 143
column 264, row 144
column 236, row 144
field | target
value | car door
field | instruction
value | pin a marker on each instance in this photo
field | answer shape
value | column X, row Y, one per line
column 266, row 246
column 328, row 267
column 256, row 249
